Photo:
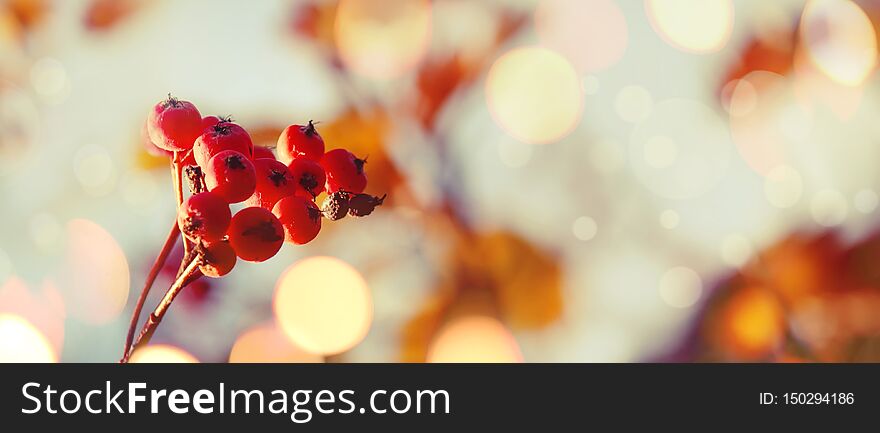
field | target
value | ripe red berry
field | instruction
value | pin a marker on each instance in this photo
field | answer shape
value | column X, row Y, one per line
column 148, row 144
column 300, row 141
column 255, row 234
column 218, row 259
column 174, row 124
column 188, row 158
column 274, row 182
column 308, row 175
column 263, row 152
column 345, row 172
column 203, row 216
column 300, row 218
column 220, row 137
column 231, row 175
column 208, row 122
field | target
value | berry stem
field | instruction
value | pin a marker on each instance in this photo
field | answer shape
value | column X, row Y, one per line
column 177, row 177
column 148, row 284
column 156, row 317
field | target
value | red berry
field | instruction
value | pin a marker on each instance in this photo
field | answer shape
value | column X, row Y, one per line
column 148, row 144
column 220, row 137
column 218, row 260
column 263, row 152
column 300, row 141
column 188, row 158
column 174, row 124
column 274, row 182
column 255, row 234
column 203, row 216
column 308, row 175
column 300, row 218
column 208, row 122
column 345, row 172
column 231, row 175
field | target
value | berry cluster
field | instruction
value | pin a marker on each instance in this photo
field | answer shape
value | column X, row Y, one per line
column 224, row 168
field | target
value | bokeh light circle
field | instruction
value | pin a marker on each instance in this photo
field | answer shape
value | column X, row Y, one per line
column 757, row 105
column 747, row 98
column 93, row 167
column 681, row 150
column 267, row 343
column 829, row 208
column 592, row 34
column 839, row 39
column 680, row 287
column 783, row 187
column 474, row 338
column 49, row 80
column 660, row 151
column 735, row 250
column 584, row 228
column 669, row 219
column 323, row 305
column 382, row 39
column 95, row 278
column 22, row 342
column 865, row 201
column 534, row 94
column 697, row 26
column 162, row 354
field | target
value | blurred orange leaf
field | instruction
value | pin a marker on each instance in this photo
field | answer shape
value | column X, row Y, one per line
column 102, row 15
column 364, row 132
column 315, row 20
column 527, row 281
column 747, row 325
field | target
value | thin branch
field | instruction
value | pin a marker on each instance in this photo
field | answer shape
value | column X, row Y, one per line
column 148, row 284
column 177, row 178
column 177, row 174
column 156, row 317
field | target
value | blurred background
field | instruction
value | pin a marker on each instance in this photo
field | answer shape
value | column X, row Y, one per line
column 568, row 180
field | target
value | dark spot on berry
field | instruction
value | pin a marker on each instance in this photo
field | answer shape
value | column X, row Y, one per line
column 265, row 231
column 208, row 257
column 221, row 128
column 309, row 182
column 170, row 102
column 314, row 214
column 359, row 164
column 234, row 162
column 309, row 130
column 192, row 224
column 278, row 177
